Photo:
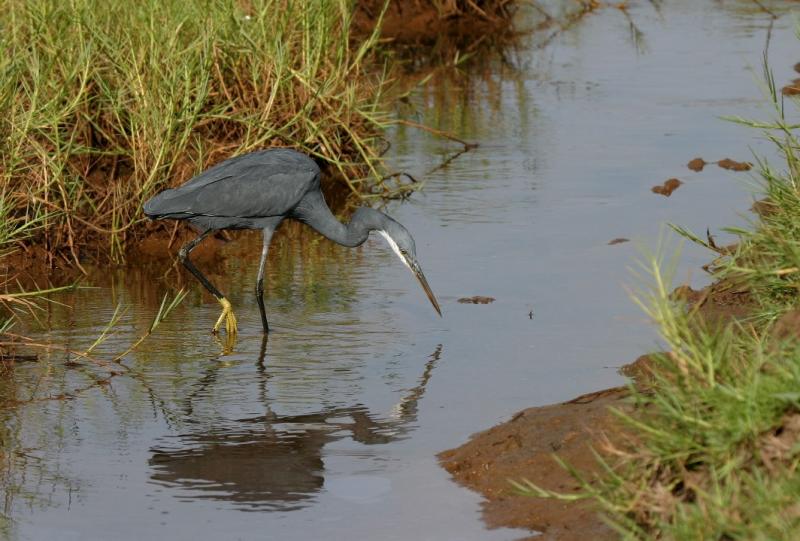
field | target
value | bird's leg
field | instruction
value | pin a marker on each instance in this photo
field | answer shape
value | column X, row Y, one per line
column 227, row 309
column 260, row 280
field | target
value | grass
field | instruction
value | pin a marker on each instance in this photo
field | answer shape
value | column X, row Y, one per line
column 713, row 442
column 715, row 438
column 106, row 103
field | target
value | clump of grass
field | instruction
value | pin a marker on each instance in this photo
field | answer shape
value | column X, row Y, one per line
column 713, row 442
column 105, row 103
column 769, row 256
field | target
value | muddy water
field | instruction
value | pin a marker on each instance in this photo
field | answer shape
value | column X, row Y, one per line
column 329, row 430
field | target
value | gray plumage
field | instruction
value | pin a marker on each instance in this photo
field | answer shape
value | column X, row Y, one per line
column 258, row 191
column 241, row 192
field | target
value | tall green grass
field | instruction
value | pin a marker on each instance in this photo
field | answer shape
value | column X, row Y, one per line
column 104, row 103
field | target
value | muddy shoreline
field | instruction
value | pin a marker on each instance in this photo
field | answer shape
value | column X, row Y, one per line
column 524, row 448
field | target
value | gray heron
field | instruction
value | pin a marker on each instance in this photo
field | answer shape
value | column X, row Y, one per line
column 258, row 191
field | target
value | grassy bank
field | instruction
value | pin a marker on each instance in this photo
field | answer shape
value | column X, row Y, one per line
column 714, row 441
column 106, row 103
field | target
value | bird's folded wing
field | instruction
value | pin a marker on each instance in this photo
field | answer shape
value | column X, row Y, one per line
column 252, row 190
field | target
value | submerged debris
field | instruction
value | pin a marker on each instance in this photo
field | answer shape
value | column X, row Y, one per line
column 618, row 240
column 732, row 165
column 792, row 89
column 477, row 299
column 667, row 188
column 697, row 164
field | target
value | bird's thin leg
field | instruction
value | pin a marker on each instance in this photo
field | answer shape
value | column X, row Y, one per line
column 227, row 309
column 260, row 280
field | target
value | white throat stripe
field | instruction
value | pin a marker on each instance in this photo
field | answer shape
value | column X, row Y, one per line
column 393, row 246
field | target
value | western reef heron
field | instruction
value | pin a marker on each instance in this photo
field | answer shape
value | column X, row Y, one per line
column 258, row 191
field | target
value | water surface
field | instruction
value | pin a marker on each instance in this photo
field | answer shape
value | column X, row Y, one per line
column 330, row 429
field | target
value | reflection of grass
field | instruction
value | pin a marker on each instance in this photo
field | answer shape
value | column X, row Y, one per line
column 714, row 446
column 105, row 103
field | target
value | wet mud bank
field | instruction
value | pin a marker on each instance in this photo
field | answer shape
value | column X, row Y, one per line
column 524, row 448
column 426, row 22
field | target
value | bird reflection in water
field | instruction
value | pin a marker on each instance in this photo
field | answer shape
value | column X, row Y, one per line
column 275, row 462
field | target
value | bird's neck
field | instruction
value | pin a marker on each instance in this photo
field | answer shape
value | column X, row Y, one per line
column 352, row 234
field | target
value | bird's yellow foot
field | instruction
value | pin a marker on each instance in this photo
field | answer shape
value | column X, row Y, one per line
column 226, row 316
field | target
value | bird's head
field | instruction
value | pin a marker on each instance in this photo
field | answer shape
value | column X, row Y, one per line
column 402, row 244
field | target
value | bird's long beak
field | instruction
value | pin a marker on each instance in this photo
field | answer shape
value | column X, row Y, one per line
column 414, row 266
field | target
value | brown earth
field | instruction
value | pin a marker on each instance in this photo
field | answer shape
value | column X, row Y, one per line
column 733, row 165
column 666, row 189
column 525, row 446
column 425, row 22
column 477, row 299
column 696, row 164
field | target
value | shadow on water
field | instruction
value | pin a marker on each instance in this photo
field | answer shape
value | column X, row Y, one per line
column 272, row 461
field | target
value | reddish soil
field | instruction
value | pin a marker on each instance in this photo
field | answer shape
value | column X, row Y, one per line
column 477, row 299
column 425, row 22
column 696, row 164
column 718, row 303
column 792, row 89
column 733, row 165
column 667, row 187
column 162, row 245
column 524, row 448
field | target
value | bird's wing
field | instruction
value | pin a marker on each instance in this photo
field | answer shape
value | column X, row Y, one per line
column 260, row 184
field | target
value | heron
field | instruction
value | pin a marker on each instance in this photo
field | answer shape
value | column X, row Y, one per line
column 259, row 190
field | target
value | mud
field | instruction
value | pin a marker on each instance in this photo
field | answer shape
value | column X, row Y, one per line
column 696, row 164
column 666, row 189
column 719, row 303
column 477, row 299
column 36, row 267
column 165, row 245
column 425, row 22
column 792, row 89
column 733, row 165
column 524, row 448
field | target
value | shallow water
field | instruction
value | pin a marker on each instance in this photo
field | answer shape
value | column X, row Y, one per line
column 331, row 428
